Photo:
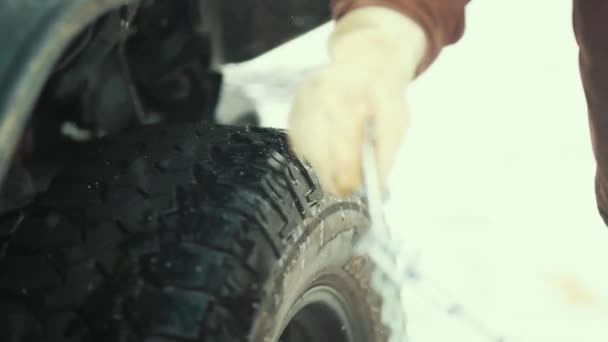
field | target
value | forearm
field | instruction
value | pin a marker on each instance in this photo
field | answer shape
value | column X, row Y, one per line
column 443, row 21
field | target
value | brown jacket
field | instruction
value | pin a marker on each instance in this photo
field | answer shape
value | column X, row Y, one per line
column 442, row 20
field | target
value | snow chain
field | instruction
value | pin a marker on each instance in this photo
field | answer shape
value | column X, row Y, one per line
column 393, row 271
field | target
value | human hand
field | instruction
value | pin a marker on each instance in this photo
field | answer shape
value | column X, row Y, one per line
column 374, row 54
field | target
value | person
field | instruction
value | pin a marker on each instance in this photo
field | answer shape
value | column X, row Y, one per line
column 377, row 48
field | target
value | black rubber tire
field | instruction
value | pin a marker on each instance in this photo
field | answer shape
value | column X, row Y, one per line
column 180, row 233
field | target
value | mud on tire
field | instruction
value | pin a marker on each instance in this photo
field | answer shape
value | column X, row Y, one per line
column 186, row 233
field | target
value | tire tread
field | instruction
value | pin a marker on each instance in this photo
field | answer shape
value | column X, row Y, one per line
column 170, row 215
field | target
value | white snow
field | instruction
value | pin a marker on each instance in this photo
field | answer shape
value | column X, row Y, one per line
column 493, row 190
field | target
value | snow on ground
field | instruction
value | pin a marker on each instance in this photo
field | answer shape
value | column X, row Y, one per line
column 493, row 190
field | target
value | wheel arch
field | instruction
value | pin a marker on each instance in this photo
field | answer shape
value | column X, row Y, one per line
column 35, row 34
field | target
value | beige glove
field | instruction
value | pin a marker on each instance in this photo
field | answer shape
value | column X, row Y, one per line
column 374, row 54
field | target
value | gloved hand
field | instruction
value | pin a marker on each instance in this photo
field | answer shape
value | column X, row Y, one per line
column 374, row 54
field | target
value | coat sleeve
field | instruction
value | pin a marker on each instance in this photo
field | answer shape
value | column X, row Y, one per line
column 442, row 20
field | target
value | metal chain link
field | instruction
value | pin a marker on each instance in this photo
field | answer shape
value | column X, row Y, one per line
column 387, row 277
column 392, row 271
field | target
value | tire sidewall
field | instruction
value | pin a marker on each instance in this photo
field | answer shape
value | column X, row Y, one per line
column 324, row 247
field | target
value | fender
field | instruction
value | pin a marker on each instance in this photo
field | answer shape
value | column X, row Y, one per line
column 34, row 33
column 251, row 27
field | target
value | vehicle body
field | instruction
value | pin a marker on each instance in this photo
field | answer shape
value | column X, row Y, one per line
column 128, row 214
column 37, row 34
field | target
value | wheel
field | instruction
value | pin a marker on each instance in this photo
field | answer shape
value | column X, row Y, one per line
column 186, row 233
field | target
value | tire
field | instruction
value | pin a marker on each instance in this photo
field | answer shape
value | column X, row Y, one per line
column 186, row 233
